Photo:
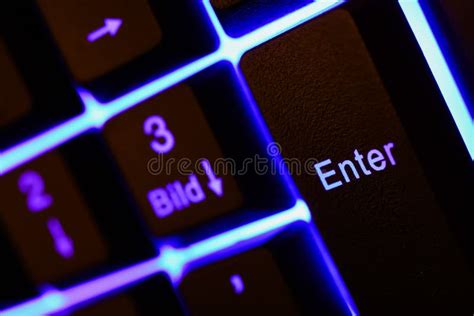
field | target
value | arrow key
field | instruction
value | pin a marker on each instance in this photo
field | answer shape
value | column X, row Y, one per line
column 111, row 27
column 97, row 37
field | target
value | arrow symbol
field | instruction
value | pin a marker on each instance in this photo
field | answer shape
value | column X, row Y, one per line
column 63, row 244
column 214, row 184
column 111, row 26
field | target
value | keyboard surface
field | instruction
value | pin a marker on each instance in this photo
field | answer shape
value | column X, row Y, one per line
column 236, row 157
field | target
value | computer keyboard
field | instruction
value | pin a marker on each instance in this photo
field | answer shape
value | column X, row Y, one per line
column 254, row 157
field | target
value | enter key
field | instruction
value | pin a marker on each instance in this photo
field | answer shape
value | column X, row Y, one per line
column 324, row 102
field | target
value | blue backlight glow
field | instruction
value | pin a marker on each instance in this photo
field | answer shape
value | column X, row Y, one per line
column 439, row 67
column 171, row 261
column 96, row 113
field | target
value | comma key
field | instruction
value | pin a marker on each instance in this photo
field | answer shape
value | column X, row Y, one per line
column 283, row 276
column 166, row 151
column 48, row 221
column 249, row 283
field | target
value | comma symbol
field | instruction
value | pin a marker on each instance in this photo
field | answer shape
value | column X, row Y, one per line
column 237, row 284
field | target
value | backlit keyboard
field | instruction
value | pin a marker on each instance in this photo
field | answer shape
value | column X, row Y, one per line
column 174, row 157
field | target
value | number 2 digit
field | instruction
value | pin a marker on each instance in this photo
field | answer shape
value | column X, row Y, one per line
column 164, row 139
column 32, row 184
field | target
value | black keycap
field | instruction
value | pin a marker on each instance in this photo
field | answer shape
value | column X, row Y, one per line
column 323, row 100
column 112, row 46
column 64, row 216
column 155, row 296
column 36, row 91
column 193, row 165
column 249, row 283
column 48, row 220
column 97, row 37
column 285, row 276
column 167, row 152
column 239, row 17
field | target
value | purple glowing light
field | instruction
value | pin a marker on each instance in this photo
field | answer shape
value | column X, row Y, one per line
column 237, row 284
column 32, row 185
column 176, row 196
column 214, row 184
column 62, row 243
column 111, row 27
column 164, row 140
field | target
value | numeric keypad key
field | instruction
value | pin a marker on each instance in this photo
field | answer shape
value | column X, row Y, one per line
column 167, row 153
column 66, row 216
column 49, row 221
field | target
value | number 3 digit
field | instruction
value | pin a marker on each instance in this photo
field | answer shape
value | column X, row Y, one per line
column 164, row 139
column 32, row 184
